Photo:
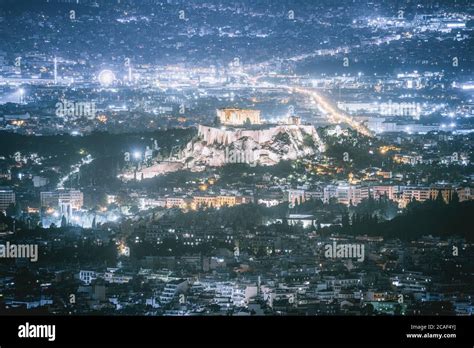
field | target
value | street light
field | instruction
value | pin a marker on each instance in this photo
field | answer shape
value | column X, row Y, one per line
column 21, row 91
column 137, row 155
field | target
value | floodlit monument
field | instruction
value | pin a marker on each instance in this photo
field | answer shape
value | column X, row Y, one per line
column 236, row 117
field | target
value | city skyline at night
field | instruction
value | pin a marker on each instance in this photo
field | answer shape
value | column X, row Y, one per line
column 236, row 158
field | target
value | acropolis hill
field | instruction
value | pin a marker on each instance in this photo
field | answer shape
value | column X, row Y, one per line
column 265, row 144
column 247, row 143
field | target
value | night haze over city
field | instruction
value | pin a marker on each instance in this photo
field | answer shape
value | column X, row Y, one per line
column 224, row 163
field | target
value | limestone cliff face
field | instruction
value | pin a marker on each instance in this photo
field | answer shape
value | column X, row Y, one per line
column 212, row 135
column 267, row 146
column 214, row 147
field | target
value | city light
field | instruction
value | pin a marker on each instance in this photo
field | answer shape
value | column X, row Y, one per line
column 238, row 158
column 106, row 77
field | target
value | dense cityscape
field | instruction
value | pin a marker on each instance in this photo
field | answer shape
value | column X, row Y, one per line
column 236, row 158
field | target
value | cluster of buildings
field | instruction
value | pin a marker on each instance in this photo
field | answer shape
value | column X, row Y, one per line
column 133, row 255
column 194, row 202
column 7, row 198
column 393, row 279
column 59, row 203
column 348, row 194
